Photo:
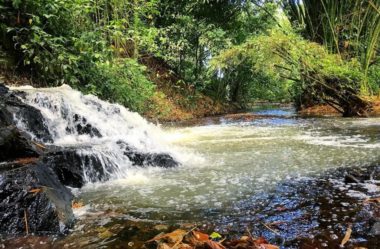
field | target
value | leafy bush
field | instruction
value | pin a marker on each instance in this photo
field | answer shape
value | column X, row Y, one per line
column 38, row 32
column 79, row 43
column 374, row 79
column 123, row 81
column 283, row 61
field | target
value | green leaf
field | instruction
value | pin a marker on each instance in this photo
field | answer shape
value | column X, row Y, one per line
column 215, row 235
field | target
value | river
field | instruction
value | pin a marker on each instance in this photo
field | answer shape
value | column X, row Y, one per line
column 268, row 171
column 231, row 165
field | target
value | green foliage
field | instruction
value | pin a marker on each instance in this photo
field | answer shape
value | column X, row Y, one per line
column 122, row 81
column 74, row 41
column 348, row 28
column 374, row 78
column 278, row 63
column 39, row 36
column 193, row 32
column 229, row 50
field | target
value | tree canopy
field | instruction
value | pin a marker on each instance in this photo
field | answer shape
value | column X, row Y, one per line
column 225, row 49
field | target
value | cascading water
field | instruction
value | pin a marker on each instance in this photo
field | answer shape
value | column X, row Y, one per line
column 102, row 134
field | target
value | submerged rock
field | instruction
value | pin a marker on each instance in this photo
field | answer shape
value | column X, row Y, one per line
column 375, row 230
column 151, row 159
column 313, row 212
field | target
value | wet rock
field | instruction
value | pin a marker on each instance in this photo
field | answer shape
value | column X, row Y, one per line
column 3, row 89
column 32, row 199
column 375, row 230
column 87, row 129
column 82, row 127
column 74, row 169
column 14, row 145
column 11, row 107
column 70, row 167
column 147, row 159
column 151, row 159
column 160, row 160
column 33, row 242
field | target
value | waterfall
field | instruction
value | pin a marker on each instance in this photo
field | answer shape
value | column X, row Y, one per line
column 107, row 139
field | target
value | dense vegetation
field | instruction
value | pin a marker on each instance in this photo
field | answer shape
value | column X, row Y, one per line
column 145, row 54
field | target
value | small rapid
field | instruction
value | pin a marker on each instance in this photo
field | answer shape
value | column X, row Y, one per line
column 237, row 159
column 99, row 132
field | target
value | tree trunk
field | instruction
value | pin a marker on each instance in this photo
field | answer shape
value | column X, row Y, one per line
column 338, row 93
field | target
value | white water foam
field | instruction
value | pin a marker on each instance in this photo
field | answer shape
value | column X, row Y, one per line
column 353, row 141
column 61, row 105
column 65, row 109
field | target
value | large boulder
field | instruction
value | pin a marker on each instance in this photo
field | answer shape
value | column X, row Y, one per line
column 74, row 169
column 33, row 200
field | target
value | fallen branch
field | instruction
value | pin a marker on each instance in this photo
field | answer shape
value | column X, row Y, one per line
column 40, row 146
column 346, row 236
column 26, row 222
column 270, row 229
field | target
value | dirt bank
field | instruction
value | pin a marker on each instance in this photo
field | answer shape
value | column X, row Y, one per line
column 326, row 110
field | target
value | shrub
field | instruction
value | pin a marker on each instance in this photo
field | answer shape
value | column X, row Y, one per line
column 123, row 81
column 283, row 60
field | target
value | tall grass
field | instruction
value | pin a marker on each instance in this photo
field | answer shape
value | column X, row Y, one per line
column 350, row 28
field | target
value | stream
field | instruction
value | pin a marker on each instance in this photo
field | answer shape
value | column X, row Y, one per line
column 231, row 161
column 298, row 182
column 239, row 174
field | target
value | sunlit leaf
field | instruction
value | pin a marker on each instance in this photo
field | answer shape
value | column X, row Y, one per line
column 215, row 235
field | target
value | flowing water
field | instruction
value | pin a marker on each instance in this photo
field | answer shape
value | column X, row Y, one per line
column 231, row 161
column 225, row 162
column 93, row 127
